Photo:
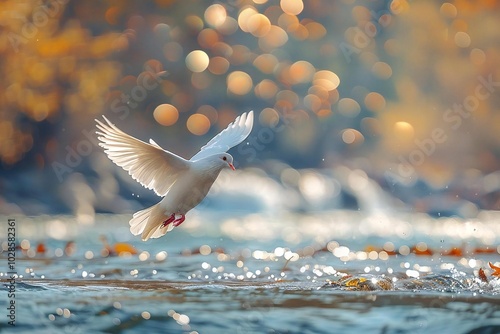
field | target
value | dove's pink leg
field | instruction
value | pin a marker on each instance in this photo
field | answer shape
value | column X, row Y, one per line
column 168, row 221
column 179, row 221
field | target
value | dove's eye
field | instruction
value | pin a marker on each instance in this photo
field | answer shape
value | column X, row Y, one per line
column 224, row 158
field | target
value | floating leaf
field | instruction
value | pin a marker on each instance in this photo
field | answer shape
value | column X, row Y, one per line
column 496, row 270
column 40, row 248
column 122, row 248
column 485, row 250
column 455, row 251
column 482, row 275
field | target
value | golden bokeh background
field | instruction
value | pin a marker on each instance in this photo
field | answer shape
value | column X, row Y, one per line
column 389, row 84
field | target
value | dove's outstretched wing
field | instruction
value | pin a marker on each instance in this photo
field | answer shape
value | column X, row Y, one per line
column 235, row 133
column 149, row 164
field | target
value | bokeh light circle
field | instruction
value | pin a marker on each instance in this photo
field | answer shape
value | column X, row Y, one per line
column 198, row 124
column 352, row 136
column 326, row 79
column 215, row 15
column 166, row 114
column 375, row 101
column 292, row 7
column 239, row 83
column 349, row 107
column 269, row 117
column 197, row 61
column 462, row 39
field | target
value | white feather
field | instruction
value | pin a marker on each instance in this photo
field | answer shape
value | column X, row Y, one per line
column 235, row 133
column 152, row 166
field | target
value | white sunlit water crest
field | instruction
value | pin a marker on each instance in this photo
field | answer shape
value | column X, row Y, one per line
column 246, row 265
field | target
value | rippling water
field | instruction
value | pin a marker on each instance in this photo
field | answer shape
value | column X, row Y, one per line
column 329, row 272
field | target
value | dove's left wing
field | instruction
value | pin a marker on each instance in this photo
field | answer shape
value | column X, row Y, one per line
column 235, row 133
column 149, row 164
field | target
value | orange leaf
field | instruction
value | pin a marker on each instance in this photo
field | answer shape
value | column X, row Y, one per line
column 122, row 247
column 496, row 270
column 485, row 250
column 455, row 251
column 40, row 248
column 425, row 252
column 482, row 275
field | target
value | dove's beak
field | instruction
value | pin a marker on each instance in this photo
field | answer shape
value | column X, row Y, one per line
column 231, row 166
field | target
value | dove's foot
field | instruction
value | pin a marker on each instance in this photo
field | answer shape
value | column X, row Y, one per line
column 173, row 219
column 168, row 221
column 179, row 220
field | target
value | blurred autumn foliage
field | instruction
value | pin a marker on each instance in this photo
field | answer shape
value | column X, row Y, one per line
column 408, row 87
column 53, row 69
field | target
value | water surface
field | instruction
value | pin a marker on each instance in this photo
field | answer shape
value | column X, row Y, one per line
column 329, row 272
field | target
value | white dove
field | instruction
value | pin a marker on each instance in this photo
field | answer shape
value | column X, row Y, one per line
column 182, row 183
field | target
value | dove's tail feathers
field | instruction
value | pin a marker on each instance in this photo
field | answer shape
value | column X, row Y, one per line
column 140, row 219
column 148, row 222
column 158, row 231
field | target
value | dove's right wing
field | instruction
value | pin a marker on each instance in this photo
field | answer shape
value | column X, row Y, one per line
column 149, row 164
column 231, row 136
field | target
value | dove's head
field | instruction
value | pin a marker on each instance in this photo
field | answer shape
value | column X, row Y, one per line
column 227, row 160
column 216, row 162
